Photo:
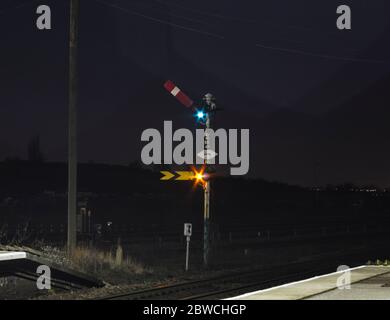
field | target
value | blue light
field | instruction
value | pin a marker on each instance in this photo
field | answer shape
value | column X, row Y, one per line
column 200, row 114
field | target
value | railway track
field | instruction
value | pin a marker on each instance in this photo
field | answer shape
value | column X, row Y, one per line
column 240, row 282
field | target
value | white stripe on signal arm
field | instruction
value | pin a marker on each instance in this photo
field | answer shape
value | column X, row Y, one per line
column 175, row 91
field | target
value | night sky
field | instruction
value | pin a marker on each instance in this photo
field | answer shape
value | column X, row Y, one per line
column 315, row 98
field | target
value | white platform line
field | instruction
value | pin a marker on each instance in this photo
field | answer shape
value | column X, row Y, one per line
column 292, row 283
column 5, row 256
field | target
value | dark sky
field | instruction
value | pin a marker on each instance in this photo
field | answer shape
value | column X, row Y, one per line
column 315, row 98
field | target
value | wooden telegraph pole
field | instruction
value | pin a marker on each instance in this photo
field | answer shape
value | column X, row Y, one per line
column 72, row 126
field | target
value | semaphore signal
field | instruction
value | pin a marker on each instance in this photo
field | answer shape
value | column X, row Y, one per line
column 204, row 116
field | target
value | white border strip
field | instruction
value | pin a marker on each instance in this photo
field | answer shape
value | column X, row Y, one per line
column 5, row 256
column 293, row 283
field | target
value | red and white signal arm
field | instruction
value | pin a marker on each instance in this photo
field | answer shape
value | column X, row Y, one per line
column 178, row 94
column 188, row 229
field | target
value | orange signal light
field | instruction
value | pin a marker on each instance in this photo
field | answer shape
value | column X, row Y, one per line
column 199, row 176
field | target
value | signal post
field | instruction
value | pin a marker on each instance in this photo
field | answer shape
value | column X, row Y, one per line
column 204, row 117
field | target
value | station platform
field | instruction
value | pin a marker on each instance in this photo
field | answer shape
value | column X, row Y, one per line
column 12, row 255
column 365, row 283
column 23, row 264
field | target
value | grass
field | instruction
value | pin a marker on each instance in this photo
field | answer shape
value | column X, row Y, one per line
column 94, row 260
column 108, row 265
column 378, row 262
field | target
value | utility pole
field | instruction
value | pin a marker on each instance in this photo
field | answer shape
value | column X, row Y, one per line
column 72, row 126
column 211, row 107
column 316, row 185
